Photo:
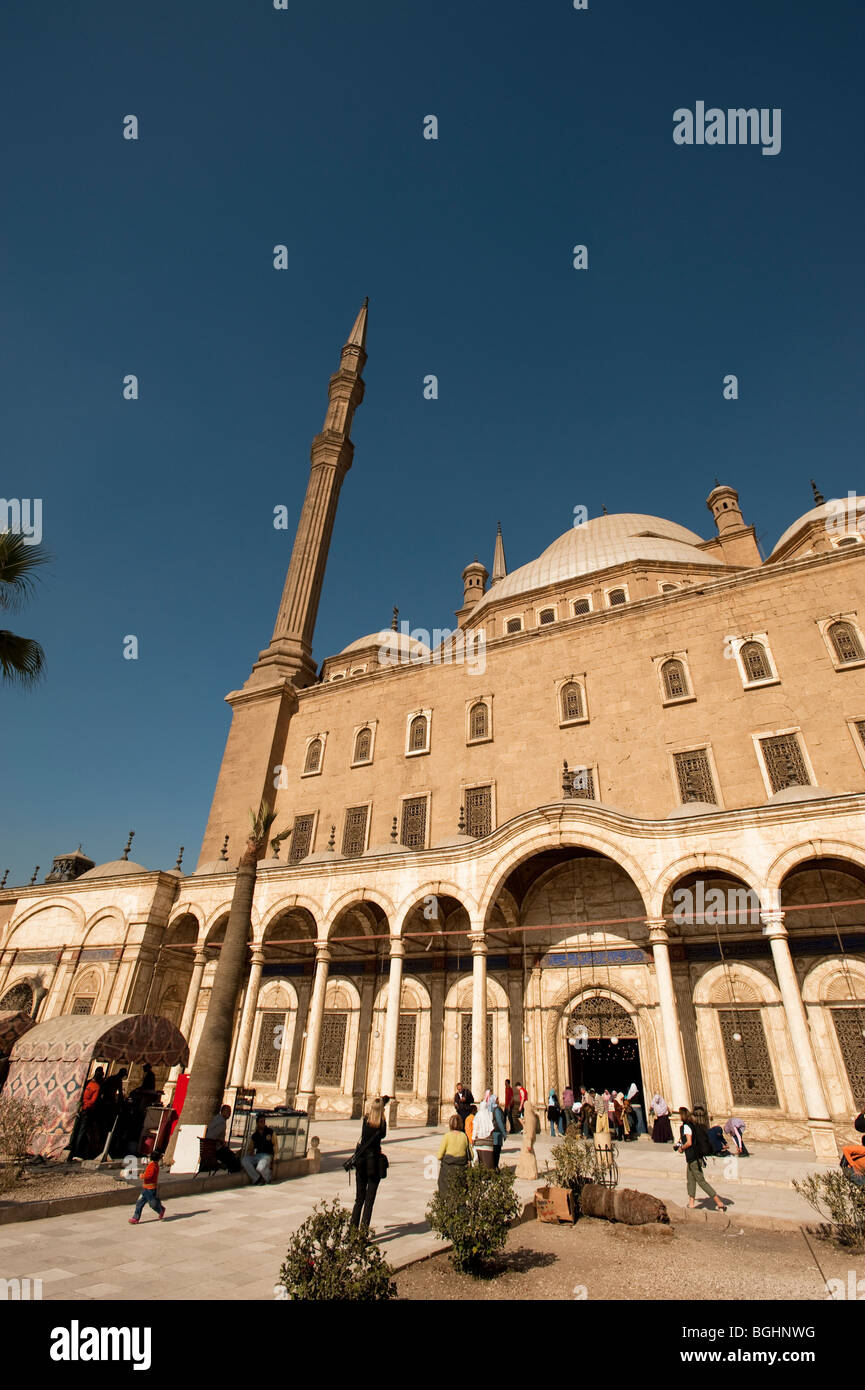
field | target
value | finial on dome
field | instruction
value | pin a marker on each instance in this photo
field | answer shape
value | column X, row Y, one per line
column 125, row 854
column 179, row 860
column 393, row 835
column 461, row 827
column 223, row 854
column 35, row 875
column 818, row 496
column 394, row 622
column 331, row 844
column 3, row 880
column 603, row 509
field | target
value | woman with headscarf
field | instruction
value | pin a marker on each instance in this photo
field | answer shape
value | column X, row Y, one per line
column 567, row 1114
column 735, row 1128
column 589, row 1112
column 662, row 1132
column 482, row 1139
column 603, row 1147
column 453, row 1154
column 499, row 1129
column 553, row 1112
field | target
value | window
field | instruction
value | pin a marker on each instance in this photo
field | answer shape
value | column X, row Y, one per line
column 785, row 765
column 847, row 540
column 845, row 640
column 859, row 726
column 83, row 1004
column 406, row 1046
column 580, row 782
column 546, row 615
column 571, row 697
column 358, row 670
column 313, row 757
column 413, row 834
column 417, row 741
column 848, row 1030
column 479, row 721
column 466, row 1050
column 331, row 1049
column 301, row 838
column 694, row 774
column 755, row 661
column 479, row 811
column 267, row 1053
column 354, row 831
column 668, row 588
column 748, row 1061
column 581, row 606
column 514, row 625
column 363, row 746
column 18, row 999
column 674, row 680
column 616, row 597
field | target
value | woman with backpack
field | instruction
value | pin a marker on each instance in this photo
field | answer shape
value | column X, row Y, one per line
column 695, row 1145
column 370, row 1164
column 553, row 1112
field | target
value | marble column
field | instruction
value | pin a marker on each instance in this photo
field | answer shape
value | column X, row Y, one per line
column 391, row 1027
column 819, row 1121
column 677, row 1076
column 186, row 1022
column 479, row 1014
column 306, row 1091
column 247, row 1019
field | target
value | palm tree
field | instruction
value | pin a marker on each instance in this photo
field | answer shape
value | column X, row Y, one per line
column 22, row 660
column 207, row 1081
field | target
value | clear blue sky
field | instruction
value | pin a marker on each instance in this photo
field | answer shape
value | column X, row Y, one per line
column 557, row 387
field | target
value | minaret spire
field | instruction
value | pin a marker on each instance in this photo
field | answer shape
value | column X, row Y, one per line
column 500, row 567
column 290, row 649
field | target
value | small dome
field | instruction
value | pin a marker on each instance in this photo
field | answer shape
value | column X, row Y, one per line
column 798, row 794
column 692, row 808
column 458, row 839
column 389, row 848
column 843, row 512
column 215, row 866
column 394, row 643
column 115, row 867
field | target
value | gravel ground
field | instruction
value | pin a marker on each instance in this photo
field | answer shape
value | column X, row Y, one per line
column 601, row 1260
column 51, row 1180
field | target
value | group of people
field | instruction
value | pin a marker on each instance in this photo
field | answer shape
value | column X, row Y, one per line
column 106, row 1113
column 608, row 1114
column 722, row 1140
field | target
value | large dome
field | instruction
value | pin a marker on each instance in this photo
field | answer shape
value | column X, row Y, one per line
column 599, row 544
column 394, row 644
column 840, row 516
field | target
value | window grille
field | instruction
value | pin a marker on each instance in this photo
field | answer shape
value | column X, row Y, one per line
column 417, row 734
column 547, row 615
column 83, row 1004
column 784, row 762
column 271, row 1036
column 845, row 640
column 860, row 728
column 313, row 756
column 479, row 810
column 675, row 684
column 301, row 839
column 616, row 597
column 514, row 625
column 572, row 701
column 582, row 783
column 406, row 1045
column 363, row 746
column 466, row 1051
column 354, row 831
column 478, row 721
column 694, row 773
column 331, row 1049
column 748, row 1062
column 413, row 834
column 848, row 1029
column 756, row 662
column 18, row 999
column 669, row 588
column 600, row 1017
column 582, row 605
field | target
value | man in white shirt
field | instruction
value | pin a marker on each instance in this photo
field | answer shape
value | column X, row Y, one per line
column 216, row 1132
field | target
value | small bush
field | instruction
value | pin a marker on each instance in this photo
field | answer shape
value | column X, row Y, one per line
column 19, row 1121
column 833, row 1195
column 575, row 1163
column 328, row 1258
column 475, row 1215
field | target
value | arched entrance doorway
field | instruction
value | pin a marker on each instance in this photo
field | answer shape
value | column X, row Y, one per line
column 603, row 1048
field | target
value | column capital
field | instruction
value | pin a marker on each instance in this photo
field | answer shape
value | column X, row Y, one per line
column 658, row 934
column 773, row 924
column 323, row 952
column 256, row 956
column 478, row 943
column 397, row 948
column 200, row 957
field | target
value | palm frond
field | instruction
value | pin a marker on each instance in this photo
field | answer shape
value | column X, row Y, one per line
column 22, row 661
column 19, row 563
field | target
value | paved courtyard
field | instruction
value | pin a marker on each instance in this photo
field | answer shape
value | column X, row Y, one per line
column 230, row 1244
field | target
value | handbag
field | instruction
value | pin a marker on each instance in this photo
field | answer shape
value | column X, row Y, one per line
column 383, row 1166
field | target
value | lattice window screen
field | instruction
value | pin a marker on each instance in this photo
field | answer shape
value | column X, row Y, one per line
column 267, row 1053
column 478, row 721
column 572, row 701
column 18, row 999
column 755, row 661
column 363, row 745
column 83, row 1004
column 860, row 729
column 845, row 640
column 547, row 615
column 848, row 1028
column 466, row 1051
column 748, row 1061
column 301, row 839
column 331, row 1049
column 313, row 756
column 675, row 684
column 479, row 810
column 417, row 734
column 582, row 605
column 583, row 783
column 694, row 773
column 413, row 833
column 514, row 625
column 406, row 1044
column 354, row 831
column 617, row 596
column 784, row 762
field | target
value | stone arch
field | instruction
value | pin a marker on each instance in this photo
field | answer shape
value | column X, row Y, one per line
column 414, row 1000
column 105, row 928
column 186, row 909
column 63, row 924
column 695, row 863
column 810, row 849
column 561, row 1007
column 536, row 840
column 292, row 902
column 87, row 983
column 750, row 986
column 433, row 888
column 827, row 982
column 350, row 898
column 834, row 996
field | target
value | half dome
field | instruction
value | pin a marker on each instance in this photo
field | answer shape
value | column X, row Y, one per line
column 113, row 868
column 835, row 509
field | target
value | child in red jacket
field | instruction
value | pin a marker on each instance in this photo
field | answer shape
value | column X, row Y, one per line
column 149, row 1190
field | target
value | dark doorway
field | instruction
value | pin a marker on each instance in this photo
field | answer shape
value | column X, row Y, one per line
column 606, row 1066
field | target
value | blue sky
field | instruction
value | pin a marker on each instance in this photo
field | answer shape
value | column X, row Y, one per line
column 556, row 387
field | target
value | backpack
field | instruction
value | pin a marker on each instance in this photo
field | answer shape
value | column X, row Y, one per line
column 700, row 1141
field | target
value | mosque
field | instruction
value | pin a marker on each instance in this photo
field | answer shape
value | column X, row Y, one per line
column 611, row 829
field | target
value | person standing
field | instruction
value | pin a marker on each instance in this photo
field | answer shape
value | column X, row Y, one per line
column 149, row 1194
column 453, row 1155
column 695, row 1145
column 509, row 1104
column 499, row 1131
column 369, row 1162
column 589, row 1112
column 258, row 1164
column 553, row 1112
column 567, row 1114
column 463, row 1102
column 521, row 1100
column 469, row 1124
column 482, row 1136
column 662, row 1132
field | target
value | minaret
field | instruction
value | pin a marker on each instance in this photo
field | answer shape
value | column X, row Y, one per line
column 290, row 649
column 500, row 568
column 263, row 709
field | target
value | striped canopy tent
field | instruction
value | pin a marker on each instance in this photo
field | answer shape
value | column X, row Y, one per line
column 13, row 1022
column 51, row 1062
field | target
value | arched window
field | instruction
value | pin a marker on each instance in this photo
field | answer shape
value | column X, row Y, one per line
column 363, row 745
column 313, row 756
column 845, row 640
column 755, row 660
column 582, row 605
column 514, row 625
column 546, row 615
column 18, row 999
column 417, row 733
column 675, row 681
column 617, row 597
column 479, row 721
column 572, row 701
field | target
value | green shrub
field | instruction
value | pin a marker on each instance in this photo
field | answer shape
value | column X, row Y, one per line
column 475, row 1215
column 833, row 1195
column 328, row 1258
column 574, row 1163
